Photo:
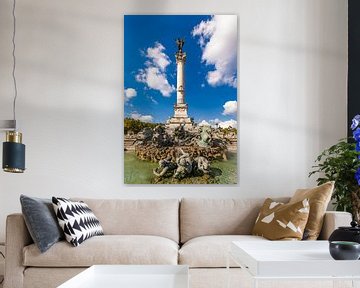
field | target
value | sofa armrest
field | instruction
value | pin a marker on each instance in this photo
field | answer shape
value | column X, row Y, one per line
column 17, row 237
column 333, row 220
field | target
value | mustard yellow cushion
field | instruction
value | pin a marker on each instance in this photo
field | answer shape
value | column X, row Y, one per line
column 279, row 221
column 319, row 198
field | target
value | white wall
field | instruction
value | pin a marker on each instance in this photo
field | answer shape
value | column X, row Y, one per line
column 292, row 94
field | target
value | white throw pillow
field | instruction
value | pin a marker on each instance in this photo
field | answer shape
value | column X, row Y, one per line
column 76, row 220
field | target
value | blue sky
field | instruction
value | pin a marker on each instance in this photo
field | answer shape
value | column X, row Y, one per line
column 210, row 70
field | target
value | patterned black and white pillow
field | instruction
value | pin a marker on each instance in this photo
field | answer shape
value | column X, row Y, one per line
column 77, row 220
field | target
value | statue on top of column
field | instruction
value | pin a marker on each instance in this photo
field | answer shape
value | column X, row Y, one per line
column 180, row 43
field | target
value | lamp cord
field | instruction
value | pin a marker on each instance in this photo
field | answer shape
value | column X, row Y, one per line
column 14, row 61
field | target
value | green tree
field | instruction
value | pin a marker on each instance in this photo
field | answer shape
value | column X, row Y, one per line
column 136, row 125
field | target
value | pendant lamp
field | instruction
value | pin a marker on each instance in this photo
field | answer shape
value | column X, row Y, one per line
column 13, row 160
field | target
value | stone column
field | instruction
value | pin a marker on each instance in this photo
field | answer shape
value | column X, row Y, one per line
column 180, row 117
column 180, row 63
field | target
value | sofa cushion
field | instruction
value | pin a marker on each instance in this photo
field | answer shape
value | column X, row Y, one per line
column 279, row 221
column 158, row 217
column 211, row 251
column 41, row 221
column 76, row 220
column 200, row 217
column 319, row 198
column 107, row 249
column 35, row 277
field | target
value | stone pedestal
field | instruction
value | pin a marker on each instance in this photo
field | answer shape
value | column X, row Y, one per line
column 174, row 122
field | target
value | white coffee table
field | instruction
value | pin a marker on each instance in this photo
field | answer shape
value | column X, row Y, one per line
column 285, row 260
column 131, row 276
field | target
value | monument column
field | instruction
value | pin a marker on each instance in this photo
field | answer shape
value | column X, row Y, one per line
column 180, row 117
column 180, row 63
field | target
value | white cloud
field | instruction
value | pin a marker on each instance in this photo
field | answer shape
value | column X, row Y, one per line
column 214, row 123
column 230, row 123
column 130, row 93
column 230, row 107
column 155, row 79
column 154, row 74
column 204, row 123
column 143, row 118
column 153, row 100
column 218, row 40
column 157, row 56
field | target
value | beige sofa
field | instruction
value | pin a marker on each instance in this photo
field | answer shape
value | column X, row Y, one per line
column 194, row 232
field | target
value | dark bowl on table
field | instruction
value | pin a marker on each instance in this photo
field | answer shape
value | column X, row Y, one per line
column 344, row 250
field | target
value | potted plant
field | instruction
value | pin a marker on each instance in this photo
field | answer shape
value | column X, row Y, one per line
column 341, row 163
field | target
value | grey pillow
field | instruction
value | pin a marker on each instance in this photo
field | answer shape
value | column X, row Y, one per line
column 41, row 221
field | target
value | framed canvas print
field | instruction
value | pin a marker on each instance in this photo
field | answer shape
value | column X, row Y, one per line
column 180, row 99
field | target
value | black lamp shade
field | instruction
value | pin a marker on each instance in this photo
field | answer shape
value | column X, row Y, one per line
column 13, row 157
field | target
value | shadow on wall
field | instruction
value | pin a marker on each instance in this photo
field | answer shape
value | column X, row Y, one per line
column 83, row 54
column 150, row 7
column 76, row 36
column 305, row 50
